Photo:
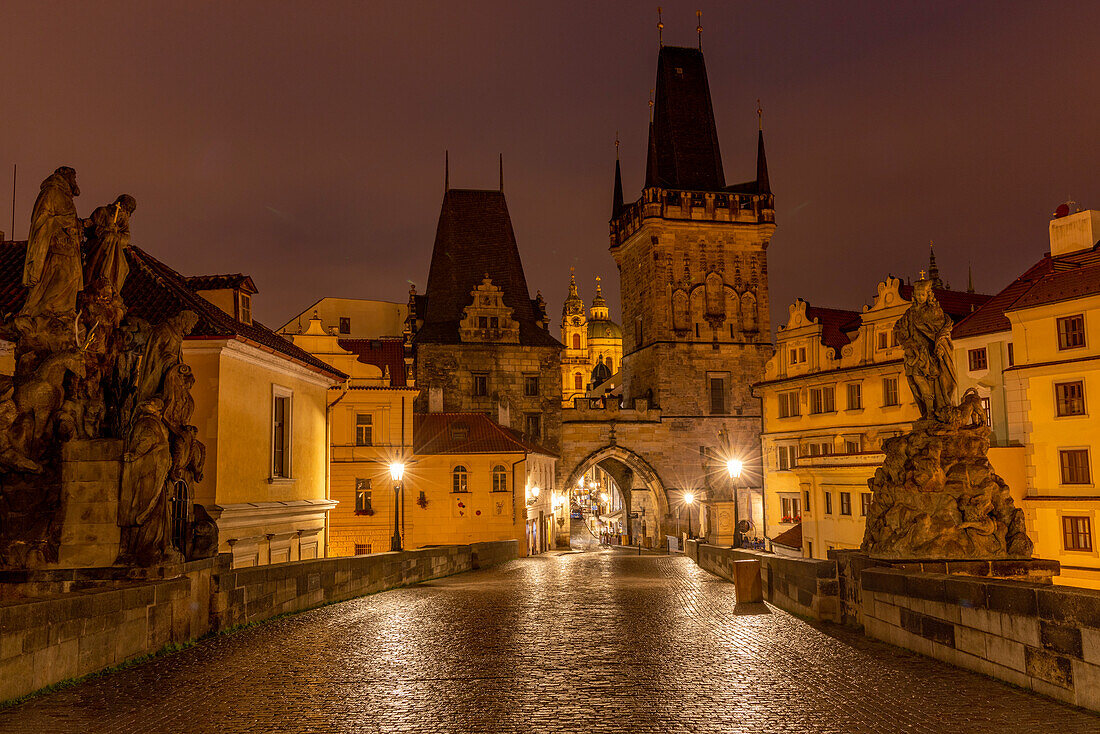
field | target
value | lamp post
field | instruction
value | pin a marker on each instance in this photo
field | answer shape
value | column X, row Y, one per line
column 689, row 498
column 734, row 467
column 397, row 470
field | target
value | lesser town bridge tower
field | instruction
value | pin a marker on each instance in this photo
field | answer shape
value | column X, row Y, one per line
column 691, row 253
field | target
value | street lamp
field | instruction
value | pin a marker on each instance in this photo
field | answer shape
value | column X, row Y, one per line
column 397, row 470
column 690, row 499
column 734, row 467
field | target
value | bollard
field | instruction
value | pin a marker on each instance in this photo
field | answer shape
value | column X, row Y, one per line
column 746, row 581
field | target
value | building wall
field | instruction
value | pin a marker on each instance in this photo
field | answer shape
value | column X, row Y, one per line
column 369, row 319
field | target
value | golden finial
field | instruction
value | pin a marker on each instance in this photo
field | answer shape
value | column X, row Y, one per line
column 699, row 28
column 921, row 275
column 759, row 114
column 660, row 28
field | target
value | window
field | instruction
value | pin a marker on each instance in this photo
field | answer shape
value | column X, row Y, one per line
column 824, row 448
column 798, row 355
column 845, row 503
column 853, row 444
column 978, row 359
column 483, row 322
column 788, row 457
column 363, row 429
column 531, row 386
column 362, row 549
column 345, row 324
column 855, row 396
column 1075, row 466
column 791, row 511
column 987, row 411
column 609, row 364
column 245, row 308
column 494, row 322
column 822, row 399
column 828, row 503
column 806, row 500
column 883, row 340
column 481, row 386
column 788, row 404
column 460, row 479
column 280, row 436
column 1071, row 332
column 1071, row 397
column 864, row 503
column 890, row 391
column 576, row 341
column 578, row 381
column 1011, row 356
column 1077, row 533
column 534, row 425
column 717, row 395
column 500, row 478
column 362, row 497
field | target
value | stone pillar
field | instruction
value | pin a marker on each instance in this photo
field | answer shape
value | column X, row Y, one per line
column 91, row 474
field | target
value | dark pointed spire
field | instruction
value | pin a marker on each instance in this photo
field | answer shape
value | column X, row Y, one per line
column 617, row 194
column 933, row 269
column 762, row 183
column 699, row 27
column 502, row 173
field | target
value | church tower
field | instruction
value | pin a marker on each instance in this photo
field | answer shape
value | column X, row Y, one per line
column 574, row 335
column 692, row 258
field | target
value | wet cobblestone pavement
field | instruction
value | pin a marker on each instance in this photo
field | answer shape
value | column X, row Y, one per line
column 592, row 642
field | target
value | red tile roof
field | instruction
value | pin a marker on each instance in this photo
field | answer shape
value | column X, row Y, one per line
column 835, row 322
column 990, row 317
column 956, row 304
column 220, row 282
column 468, row 433
column 1061, row 285
column 382, row 353
column 155, row 292
column 791, row 538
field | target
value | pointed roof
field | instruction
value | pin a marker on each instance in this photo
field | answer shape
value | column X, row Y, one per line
column 573, row 302
column 762, row 184
column 684, row 152
column 617, row 194
column 599, row 301
column 933, row 269
column 474, row 237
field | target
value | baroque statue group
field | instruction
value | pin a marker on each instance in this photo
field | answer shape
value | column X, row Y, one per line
column 87, row 370
column 936, row 496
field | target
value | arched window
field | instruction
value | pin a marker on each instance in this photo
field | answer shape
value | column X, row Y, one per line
column 576, row 341
column 500, row 478
column 460, row 479
column 610, row 364
column 578, row 381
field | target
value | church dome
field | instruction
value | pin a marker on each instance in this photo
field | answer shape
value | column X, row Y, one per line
column 604, row 329
column 600, row 373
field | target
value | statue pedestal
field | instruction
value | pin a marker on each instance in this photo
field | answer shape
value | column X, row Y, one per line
column 91, row 474
column 724, row 529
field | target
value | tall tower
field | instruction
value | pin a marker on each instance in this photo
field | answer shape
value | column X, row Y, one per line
column 574, row 335
column 691, row 253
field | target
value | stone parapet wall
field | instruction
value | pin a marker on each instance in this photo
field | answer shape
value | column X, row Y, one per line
column 801, row 586
column 86, row 622
column 1037, row 636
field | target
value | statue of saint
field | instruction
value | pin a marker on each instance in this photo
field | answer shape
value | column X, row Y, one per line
column 163, row 351
column 924, row 332
column 52, row 267
column 143, row 508
column 108, row 238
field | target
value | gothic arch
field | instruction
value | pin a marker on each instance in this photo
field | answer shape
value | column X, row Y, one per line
column 640, row 467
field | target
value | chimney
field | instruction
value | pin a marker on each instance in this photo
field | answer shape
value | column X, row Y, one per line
column 1074, row 232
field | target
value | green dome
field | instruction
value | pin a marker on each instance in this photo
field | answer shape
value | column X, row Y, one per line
column 602, row 329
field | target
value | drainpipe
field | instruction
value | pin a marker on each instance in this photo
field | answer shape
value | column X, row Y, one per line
column 328, row 455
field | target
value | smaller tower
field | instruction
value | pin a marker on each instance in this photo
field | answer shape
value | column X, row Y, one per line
column 575, row 364
column 605, row 337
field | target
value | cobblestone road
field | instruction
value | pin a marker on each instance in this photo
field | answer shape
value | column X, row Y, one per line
column 593, row 642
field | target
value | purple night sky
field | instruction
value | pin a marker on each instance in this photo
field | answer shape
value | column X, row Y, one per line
column 303, row 143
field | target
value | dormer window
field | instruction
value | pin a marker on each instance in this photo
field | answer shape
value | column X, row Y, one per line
column 244, row 307
column 345, row 324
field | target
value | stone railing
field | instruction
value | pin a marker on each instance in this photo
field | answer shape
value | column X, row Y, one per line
column 59, row 625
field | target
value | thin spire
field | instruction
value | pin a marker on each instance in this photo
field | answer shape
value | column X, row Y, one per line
column 660, row 28
column 969, row 278
column 933, row 269
column 502, row 173
column 446, row 171
column 699, row 27
column 617, row 192
column 763, row 185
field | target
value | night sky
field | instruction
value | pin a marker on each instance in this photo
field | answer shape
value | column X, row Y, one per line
column 303, row 143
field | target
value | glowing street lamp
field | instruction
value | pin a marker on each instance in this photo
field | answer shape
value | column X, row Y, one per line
column 689, row 498
column 734, row 467
column 397, row 471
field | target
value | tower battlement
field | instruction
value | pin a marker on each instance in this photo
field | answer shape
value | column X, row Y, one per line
column 691, row 206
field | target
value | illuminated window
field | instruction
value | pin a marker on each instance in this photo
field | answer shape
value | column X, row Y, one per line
column 460, row 479
column 362, row 498
column 1071, row 398
column 845, row 503
column 890, row 391
column 1071, row 332
column 864, row 503
column 500, row 478
column 364, row 429
column 345, row 324
column 978, row 359
column 245, row 308
column 855, row 396
column 822, row 399
column 280, row 436
column 788, row 404
column 1075, row 466
column 1077, row 533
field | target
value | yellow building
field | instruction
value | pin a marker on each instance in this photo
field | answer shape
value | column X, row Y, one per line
column 1033, row 353
column 834, row 389
column 353, row 318
column 593, row 345
column 466, row 479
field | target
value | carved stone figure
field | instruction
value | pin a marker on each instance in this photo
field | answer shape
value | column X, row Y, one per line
column 52, row 268
column 108, row 238
column 143, row 508
column 163, row 352
column 203, row 540
column 924, row 332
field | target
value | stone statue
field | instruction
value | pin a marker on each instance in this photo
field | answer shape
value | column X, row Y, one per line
column 163, row 352
column 143, row 508
column 108, row 238
column 924, row 332
column 936, row 496
column 52, row 267
column 203, row 539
